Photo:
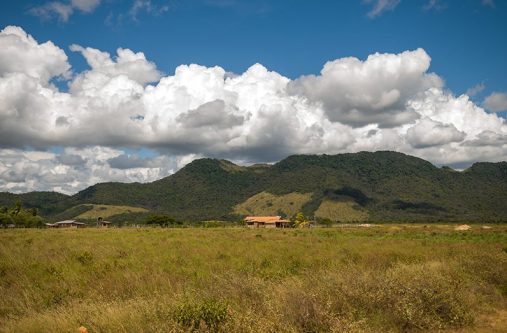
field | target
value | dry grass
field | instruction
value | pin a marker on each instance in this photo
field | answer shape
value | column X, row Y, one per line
column 106, row 211
column 344, row 211
column 384, row 279
column 265, row 203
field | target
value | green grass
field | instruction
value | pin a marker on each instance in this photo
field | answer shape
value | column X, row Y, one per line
column 392, row 278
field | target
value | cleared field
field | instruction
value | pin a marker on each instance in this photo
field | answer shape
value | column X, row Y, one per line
column 391, row 278
column 265, row 203
column 347, row 211
column 106, row 211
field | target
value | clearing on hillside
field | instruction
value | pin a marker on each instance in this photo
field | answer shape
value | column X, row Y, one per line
column 265, row 203
column 343, row 211
column 106, row 211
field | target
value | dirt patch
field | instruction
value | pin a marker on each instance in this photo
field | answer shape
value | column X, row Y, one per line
column 463, row 227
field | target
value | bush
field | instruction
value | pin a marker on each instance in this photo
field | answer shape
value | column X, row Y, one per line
column 211, row 313
column 85, row 258
column 162, row 220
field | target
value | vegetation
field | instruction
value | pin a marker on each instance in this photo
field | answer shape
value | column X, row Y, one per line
column 106, row 211
column 19, row 217
column 393, row 278
column 265, row 203
column 347, row 211
column 46, row 203
column 162, row 220
column 300, row 221
column 377, row 187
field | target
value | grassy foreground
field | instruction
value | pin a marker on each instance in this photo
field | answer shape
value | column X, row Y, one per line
column 392, row 278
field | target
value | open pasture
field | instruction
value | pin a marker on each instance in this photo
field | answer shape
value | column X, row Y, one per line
column 389, row 278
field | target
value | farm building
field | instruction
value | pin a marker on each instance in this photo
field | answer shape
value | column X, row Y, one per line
column 66, row 224
column 101, row 223
column 266, row 222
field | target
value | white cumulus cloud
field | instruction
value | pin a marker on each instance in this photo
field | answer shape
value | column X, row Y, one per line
column 77, row 168
column 374, row 91
column 496, row 102
column 429, row 133
column 20, row 53
column 385, row 102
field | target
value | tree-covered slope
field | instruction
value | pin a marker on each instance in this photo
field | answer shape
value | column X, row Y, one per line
column 380, row 186
column 47, row 203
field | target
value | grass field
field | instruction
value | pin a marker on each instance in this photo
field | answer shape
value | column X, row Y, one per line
column 391, row 278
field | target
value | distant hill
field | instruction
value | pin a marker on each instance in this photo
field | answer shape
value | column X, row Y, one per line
column 380, row 186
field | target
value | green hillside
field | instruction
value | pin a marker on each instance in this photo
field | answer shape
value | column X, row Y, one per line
column 380, row 186
column 47, row 203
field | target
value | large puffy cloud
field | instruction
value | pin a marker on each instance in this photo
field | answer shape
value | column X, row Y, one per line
column 386, row 102
column 213, row 113
column 20, row 53
column 374, row 91
column 133, row 65
column 429, row 133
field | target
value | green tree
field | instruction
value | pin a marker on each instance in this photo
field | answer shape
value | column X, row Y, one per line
column 325, row 222
column 300, row 220
column 5, row 219
column 161, row 220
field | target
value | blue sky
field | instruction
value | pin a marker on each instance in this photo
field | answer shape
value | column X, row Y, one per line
column 132, row 90
column 466, row 39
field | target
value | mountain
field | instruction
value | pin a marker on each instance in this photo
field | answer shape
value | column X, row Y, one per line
column 48, row 203
column 379, row 186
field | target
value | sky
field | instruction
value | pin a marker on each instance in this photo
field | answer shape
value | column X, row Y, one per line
column 132, row 90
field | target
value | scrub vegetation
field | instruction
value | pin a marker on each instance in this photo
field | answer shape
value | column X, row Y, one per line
column 382, row 278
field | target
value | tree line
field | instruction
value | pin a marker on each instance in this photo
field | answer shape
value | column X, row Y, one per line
column 19, row 217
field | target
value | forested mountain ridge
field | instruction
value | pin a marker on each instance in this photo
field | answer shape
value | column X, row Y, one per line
column 379, row 186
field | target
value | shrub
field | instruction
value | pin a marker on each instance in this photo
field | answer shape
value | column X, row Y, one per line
column 210, row 312
column 85, row 257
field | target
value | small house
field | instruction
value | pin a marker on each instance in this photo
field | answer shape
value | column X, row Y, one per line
column 101, row 223
column 66, row 224
column 266, row 222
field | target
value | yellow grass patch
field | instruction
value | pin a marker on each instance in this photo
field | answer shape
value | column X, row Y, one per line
column 421, row 278
column 341, row 211
column 265, row 203
column 106, row 211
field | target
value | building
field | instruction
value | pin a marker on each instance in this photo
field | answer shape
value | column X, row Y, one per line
column 103, row 224
column 66, row 224
column 266, row 222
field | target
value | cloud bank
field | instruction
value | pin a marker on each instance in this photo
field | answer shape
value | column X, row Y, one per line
column 385, row 102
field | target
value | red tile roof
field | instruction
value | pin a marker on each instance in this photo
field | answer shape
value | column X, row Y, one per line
column 266, row 219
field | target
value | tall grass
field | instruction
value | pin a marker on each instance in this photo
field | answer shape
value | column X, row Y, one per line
column 382, row 279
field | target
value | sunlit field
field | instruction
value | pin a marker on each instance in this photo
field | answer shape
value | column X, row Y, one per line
column 390, row 278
